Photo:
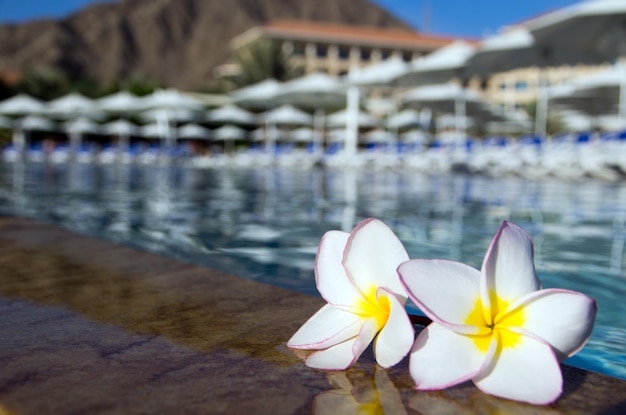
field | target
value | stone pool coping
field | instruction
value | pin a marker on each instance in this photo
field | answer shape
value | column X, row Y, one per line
column 90, row 327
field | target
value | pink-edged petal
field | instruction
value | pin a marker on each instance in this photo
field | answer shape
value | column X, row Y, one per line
column 330, row 276
column 509, row 267
column 562, row 318
column 527, row 372
column 337, row 357
column 441, row 358
column 445, row 291
column 343, row 355
column 328, row 326
column 373, row 253
column 396, row 338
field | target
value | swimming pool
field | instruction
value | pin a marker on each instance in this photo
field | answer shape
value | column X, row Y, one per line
column 265, row 224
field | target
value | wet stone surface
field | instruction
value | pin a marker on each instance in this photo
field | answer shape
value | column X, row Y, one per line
column 89, row 327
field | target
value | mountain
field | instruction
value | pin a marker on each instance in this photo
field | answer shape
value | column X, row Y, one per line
column 175, row 42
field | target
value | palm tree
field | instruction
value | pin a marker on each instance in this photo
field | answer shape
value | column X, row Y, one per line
column 257, row 61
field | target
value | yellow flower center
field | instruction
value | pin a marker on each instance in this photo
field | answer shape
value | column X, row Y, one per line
column 370, row 306
column 497, row 323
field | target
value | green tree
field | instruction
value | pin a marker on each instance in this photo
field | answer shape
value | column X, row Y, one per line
column 45, row 83
column 136, row 84
column 257, row 61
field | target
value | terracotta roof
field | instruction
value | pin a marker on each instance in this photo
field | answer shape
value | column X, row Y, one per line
column 353, row 34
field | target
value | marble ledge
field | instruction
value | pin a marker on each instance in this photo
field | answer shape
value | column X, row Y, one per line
column 90, row 327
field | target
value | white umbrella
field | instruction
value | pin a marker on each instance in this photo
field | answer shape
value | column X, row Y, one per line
column 317, row 91
column 304, row 135
column 313, row 91
column 36, row 123
column 591, row 31
column 258, row 135
column 340, row 118
column 336, row 135
column 122, row 102
column 376, row 75
column 76, row 128
column 380, row 106
column 439, row 66
column 404, row 119
column 21, row 104
column 178, row 115
column 229, row 134
column 414, row 137
column 512, row 48
column 257, row 96
column 287, row 115
column 171, row 99
column 123, row 129
column 447, row 98
column 151, row 130
column 72, row 105
column 167, row 101
column 30, row 123
column 382, row 73
column 81, row 125
column 120, row 127
column 509, row 49
column 194, row 131
column 596, row 94
column 231, row 114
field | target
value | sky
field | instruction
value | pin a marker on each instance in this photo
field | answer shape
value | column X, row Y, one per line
column 460, row 18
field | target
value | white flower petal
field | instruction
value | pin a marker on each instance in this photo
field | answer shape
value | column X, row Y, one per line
column 330, row 276
column 441, row 358
column 337, row 357
column 343, row 355
column 508, row 266
column 562, row 318
column 365, row 337
column 396, row 338
column 445, row 291
column 329, row 326
column 527, row 372
column 373, row 253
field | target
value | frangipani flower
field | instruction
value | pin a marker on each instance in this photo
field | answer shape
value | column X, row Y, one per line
column 497, row 326
column 356, row 274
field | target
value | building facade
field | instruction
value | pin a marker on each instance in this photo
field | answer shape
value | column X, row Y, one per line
column 335, row 48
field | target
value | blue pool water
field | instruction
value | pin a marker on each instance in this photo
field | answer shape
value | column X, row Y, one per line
column 265, row 224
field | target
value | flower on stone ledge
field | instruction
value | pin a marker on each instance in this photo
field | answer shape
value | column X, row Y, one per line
column 356, row 274
column 496, row 327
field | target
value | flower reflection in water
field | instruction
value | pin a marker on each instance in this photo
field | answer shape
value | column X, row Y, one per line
column 357, row 392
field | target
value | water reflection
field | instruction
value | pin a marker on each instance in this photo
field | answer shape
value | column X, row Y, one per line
column 357, row 392
column 265, row 224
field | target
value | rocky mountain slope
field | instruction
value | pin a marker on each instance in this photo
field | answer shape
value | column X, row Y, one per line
column 175, row 42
